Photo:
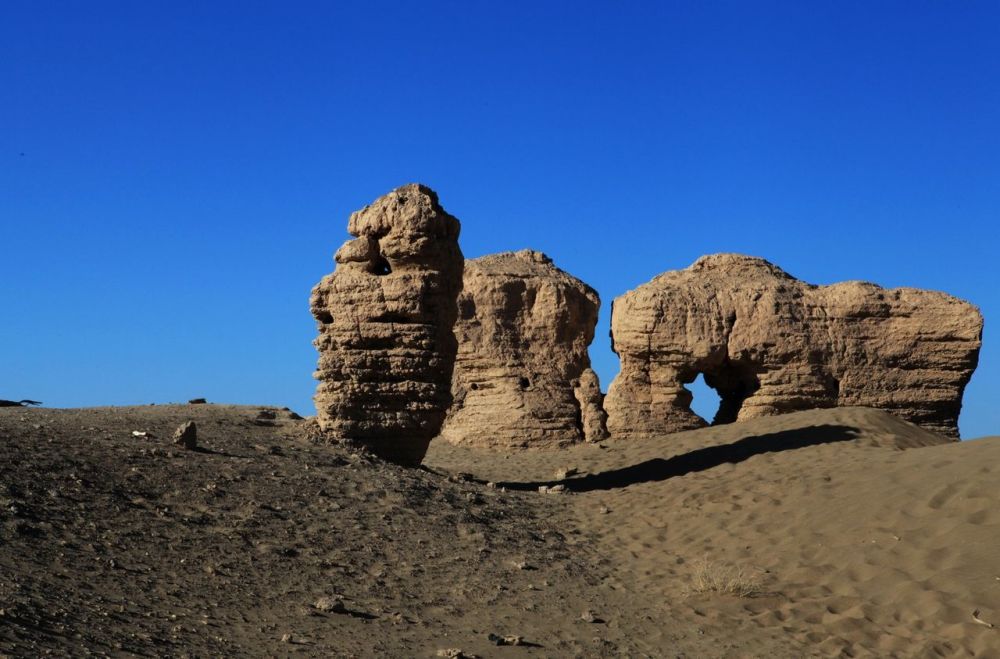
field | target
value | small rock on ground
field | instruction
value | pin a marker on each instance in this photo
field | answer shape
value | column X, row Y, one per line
column 496, row 639
column 187, row 435
column 330, row 605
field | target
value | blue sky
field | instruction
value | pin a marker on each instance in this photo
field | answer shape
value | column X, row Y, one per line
column 175, row 176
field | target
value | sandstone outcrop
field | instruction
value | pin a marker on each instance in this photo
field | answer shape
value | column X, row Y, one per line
column 522, row 376
column 769, row 344
column 385, row 317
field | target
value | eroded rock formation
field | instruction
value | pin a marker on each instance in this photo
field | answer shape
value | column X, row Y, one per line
column 522, row 376
column 385, row 320
column 769, row 343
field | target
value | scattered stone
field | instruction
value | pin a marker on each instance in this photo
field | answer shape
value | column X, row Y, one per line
column 496, row 639
column 455, row 653
column 591, row 617
column 770, row 344
column 197, row 401
column 978, row 620
column 187, row 436
column 563, row 474
column 294, row 416
column 142, row 433
column 267, row 415
column 522, row 374
column 385, row 319
column 286, row 638
column 330, row 605
column 604, row 510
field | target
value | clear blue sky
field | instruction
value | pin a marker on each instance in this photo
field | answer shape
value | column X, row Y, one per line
column 175, row 176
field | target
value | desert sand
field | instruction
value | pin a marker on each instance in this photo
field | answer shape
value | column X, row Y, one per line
column 839, row 532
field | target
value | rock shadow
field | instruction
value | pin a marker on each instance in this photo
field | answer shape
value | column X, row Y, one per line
column 660, row 469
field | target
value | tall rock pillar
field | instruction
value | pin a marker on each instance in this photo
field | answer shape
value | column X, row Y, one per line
column 385, row 317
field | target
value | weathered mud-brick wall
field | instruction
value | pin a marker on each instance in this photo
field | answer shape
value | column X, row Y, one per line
column 385, row 320
column 523, row 376
column 769, row 344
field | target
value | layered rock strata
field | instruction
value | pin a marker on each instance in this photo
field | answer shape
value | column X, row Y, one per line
column 769, row 344
column 522, row 376
column 385, row 317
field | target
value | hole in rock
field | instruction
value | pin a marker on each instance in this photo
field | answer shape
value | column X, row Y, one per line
column 706, row 399
column 381, row 267
column 719, row 392
column 524, row 382
column 324, row 317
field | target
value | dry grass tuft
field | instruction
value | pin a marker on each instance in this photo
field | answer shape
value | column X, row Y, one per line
column 712, row 577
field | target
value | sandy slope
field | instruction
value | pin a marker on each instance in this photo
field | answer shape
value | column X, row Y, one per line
column 865, row 535
column 862, row 535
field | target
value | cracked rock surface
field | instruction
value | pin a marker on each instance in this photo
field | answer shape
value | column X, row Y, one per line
column 522, row 375
column 769, row 344
column 385, row 317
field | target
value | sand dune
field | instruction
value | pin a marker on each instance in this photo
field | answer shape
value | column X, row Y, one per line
column 865, row 535
column 841, row 532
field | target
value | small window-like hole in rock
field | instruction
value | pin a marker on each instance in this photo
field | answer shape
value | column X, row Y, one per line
column 381, row 267
column 706, row 399
column 324, row 317
column 474, row 386
column 834, row 387
column 524, row 382
column 466, row 307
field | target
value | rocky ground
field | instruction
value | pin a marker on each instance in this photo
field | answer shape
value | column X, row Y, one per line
column 833, row 533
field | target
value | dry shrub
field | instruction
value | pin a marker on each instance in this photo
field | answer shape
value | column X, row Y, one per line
column 712, row 577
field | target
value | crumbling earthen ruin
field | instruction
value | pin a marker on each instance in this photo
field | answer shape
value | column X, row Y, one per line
column 522, row 376
column 385, row 321
column 391, row 320
column 769, row 343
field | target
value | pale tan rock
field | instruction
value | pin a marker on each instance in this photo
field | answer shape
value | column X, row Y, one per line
column 385, row 320
column 769, row 343
column 522, row 375
column 187, row 435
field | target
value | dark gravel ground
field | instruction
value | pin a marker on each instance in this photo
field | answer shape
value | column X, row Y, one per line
column 121, row 545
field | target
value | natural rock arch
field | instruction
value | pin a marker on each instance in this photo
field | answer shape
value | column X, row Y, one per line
column 770, row 344
column 733, row 382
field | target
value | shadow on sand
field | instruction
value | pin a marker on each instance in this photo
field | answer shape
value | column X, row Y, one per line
column 660, row 469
